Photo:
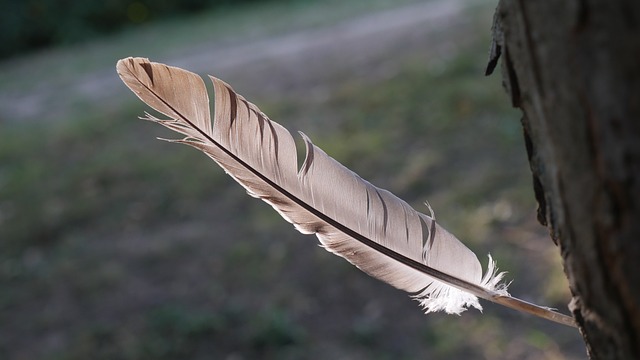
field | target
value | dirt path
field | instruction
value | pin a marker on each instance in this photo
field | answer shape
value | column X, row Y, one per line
column 301, row 61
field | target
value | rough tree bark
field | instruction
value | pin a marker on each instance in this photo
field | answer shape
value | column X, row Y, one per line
column 573, row 67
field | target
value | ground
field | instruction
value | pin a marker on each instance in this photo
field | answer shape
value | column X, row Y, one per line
column 115, row 245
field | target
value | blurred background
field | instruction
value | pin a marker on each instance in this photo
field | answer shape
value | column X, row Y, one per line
column 114, row 245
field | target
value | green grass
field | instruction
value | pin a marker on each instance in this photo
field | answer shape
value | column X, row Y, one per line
column 90, row 172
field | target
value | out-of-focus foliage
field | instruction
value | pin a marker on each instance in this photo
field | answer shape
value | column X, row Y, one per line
column 31, row 24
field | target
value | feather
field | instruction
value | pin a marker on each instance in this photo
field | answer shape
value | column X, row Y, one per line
column 368, row 226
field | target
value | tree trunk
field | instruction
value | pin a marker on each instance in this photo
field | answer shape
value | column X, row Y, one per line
column 573, row 67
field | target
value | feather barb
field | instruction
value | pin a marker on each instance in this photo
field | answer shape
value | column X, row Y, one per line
column 368, row 226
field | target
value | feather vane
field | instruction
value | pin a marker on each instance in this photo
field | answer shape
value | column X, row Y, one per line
column 368, row 226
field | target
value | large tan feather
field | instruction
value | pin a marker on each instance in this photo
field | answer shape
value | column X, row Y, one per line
column 370, row 227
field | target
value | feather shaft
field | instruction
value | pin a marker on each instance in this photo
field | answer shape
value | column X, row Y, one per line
column 371, row 228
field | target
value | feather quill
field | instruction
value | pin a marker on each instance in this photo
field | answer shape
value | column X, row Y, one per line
column 368, row 226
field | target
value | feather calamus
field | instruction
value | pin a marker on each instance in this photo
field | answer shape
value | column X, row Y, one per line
column 370, row 227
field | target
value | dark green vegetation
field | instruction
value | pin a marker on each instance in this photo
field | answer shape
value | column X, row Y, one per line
column 33, row 24
column 117, row 246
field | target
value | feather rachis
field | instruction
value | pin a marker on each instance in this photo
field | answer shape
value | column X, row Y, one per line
column 322, row 196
